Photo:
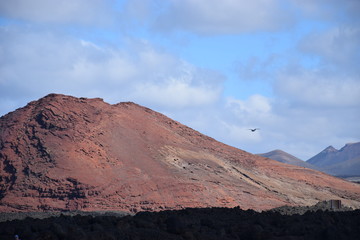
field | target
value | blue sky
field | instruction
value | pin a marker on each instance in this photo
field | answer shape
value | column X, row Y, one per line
column 288, row 67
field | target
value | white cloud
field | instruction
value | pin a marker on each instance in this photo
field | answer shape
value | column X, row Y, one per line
column 339, row 46
column 331, row 10
column 58, row 11
column 176, row 93
column 256, row 68
column 224, row 17
column 252, row 110
column 331, row 83
column 238, row 116
column 240, row 135
column 302, row 129
column 37, row 63
column 318, row 89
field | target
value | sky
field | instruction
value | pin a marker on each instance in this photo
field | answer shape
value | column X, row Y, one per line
column 288, row 67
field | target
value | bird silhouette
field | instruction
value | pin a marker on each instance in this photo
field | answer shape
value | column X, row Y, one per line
column 254, row 129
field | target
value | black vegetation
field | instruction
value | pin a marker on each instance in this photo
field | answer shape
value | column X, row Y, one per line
column 206, row 223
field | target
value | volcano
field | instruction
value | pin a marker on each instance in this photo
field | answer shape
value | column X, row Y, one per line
column 66, row 153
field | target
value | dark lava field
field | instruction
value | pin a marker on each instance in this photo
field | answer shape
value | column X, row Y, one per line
column 192, row 223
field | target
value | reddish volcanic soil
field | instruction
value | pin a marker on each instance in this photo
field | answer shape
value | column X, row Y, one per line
column 67, row 153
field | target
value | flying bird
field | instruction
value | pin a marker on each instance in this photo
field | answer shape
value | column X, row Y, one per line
column 254, row 129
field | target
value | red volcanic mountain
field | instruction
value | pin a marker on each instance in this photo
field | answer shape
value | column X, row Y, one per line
column 66, row 153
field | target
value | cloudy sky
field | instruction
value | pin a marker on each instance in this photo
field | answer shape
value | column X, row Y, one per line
column 288, row 67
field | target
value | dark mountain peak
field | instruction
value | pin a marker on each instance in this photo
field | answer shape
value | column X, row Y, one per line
column 278, row 151
column 330, row 149
column 327, row 153
column 339, row 162
column 280, row 155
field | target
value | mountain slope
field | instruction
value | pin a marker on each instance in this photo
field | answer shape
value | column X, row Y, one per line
column 285, row 157
column 345, row 162
column 347, row 168
column 66, row 153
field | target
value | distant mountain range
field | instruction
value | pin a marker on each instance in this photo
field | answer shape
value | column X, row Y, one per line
column 285, row 157
column 344, row 162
